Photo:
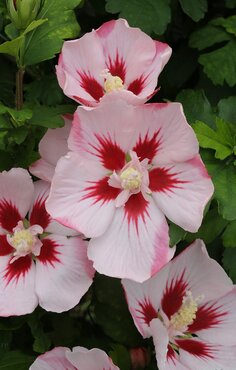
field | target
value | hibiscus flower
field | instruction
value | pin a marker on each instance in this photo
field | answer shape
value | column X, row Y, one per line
column 80, row 358
column 39, row 264
column 129, row 166
column 113, row 61
column 189, row 309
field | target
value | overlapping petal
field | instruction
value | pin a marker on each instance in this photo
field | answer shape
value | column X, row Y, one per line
column 53, row 360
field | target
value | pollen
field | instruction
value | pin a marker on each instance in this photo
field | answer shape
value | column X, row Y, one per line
column 112, row 83
column 22, row 241
column 131, row 179
column 186, row 314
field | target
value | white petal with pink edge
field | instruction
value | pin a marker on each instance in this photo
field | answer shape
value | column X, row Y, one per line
column 17, row 286
column 53, row 360
column 63, row 272
column 163, row 134
column 80, row 196
column 197, row 354
column 78, row 72
column 38, row 214
column 93, row 359
column 136, row 244
column 182, row 191
column 104, row 134
column 144, row 300
column 52, row 147
column 16, row 192
column 216, row 320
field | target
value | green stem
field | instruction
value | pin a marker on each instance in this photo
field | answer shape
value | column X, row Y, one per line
column 19, row 88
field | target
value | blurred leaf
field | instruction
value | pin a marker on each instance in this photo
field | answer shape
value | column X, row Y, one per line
column 221, row 139
column 208, row 36
column 19, row 134
column 5, row 341
column 150, row 16
column 224, row 179
column 227, row 109
column 11, row 323
column 176, row 234
column 6, row 162
column 229, row 236
column 196, row 106
column 41, row 340
column 195, row 9
column 15, row 360
column 218, row 66
column 230, row 3
column 50, row 117
column 111, row 311
column 120, row 356
column 228, row 23
column 229, row 258
column 45, row 91
column 212, row 226
column 45, row 42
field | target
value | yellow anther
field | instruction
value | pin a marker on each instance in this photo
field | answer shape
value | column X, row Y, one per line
column 113, row 83
column 22, row 241
column 186, row 314
column 131, row 179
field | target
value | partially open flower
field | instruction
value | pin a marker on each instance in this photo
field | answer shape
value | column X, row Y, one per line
column 23, row 12
column 113, row 61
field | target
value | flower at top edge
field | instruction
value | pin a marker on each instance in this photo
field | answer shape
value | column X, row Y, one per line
column 115, row 60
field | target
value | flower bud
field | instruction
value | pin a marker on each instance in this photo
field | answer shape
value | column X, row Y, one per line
column 139, row 358
column 23, row 12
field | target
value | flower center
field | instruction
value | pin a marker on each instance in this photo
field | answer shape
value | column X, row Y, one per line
column 112, row 83
column 130, row 179
column 24, row 240
column 186, row 314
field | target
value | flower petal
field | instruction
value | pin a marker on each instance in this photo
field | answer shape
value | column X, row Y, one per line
column 78, row 72
column 51, row 148
column 93, row 359
column 80, row 196
column 163, row 134
column 53, row 360
column 161, row 341
column 16, row 191
column 17, row 286
column 103, row 134
column 182, row 190
column 135, row 246
column 63, row 272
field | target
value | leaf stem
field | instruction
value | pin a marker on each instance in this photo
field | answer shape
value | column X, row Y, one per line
column 19, row 88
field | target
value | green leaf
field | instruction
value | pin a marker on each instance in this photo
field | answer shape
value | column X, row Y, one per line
column 221, row 140
column 15, row 360
column 227, row 109
column 208, row 36
column 151, row 16
column 45, row 42
column 50, row 117
column 196, row 106
column 176, row 234
column 6, row 162
column 45, row 91
column 224, row 179
column 19, row 134
column 41, row 340
column 229, row 258
column 228, row 23
column 220, row 65
column 5, row 341
column 230, row 3
column 111, row 312
column 229, row 236
column 195, row 9
column 120, row 357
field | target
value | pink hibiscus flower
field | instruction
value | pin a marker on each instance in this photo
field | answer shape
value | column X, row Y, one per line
column 39, row 264
column 80, row 358
column 189, row 309
column 52, row 147
column 113, row 61
column 129, row 166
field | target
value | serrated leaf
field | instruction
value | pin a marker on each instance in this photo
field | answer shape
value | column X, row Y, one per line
column 195, row 9
column 13, row 360
column 50, row 117
column 224, row 179
column 208, row 36
column 221, row 140
column 196, row 106
column 227, row 109
column 44, row 43
column 220, row 65
column 229, row 236
column 153, row 16
column 229, row 258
